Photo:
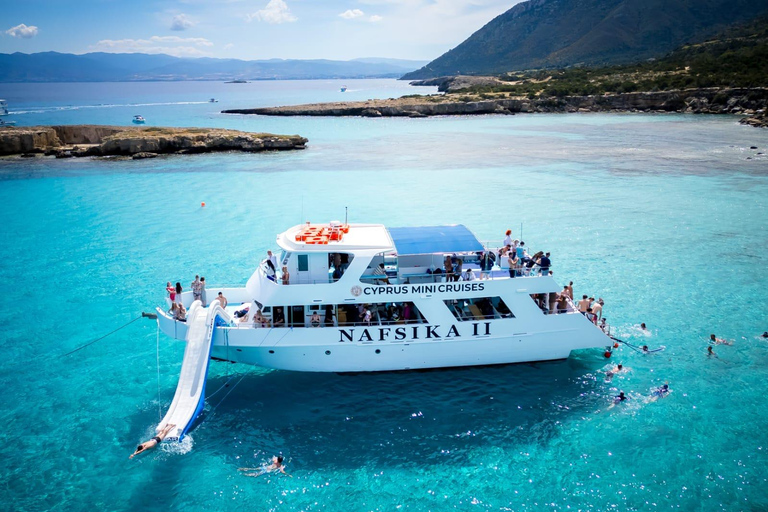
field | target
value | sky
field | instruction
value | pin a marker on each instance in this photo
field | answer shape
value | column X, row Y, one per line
column 246, row 29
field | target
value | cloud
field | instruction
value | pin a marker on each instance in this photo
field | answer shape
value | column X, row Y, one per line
column 171, row 45
column 375, row 18
column 351, row 14
column 228, row 46
column 22, row 31
column 275, row 12
column 181, row 22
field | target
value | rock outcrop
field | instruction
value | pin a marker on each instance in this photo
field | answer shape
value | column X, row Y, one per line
column 697, row 101
column 457, row 83
column 96, row 140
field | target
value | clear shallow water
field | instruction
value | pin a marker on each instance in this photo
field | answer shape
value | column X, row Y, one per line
column 662, row 216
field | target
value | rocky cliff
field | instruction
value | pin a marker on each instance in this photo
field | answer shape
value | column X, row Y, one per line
column 97, row 140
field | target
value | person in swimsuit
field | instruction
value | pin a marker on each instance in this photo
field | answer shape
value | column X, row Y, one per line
column 277, row 465
column 314, row 320
column 660, row 392
column 710, row 352
column 154, row 441
column 765, row 334
column 719, row 341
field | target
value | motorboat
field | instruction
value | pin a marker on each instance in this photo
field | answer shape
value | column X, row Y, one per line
column 343, row 88
column 139, row 120
column 3, row 108
column 213, row 100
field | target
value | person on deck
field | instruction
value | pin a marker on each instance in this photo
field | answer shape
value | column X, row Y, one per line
column 154, row 441
column 513, row 264
column 584, row 304
column 171, row 292
column 272, row 258
column 286, row 276
column 314, row 320
column 197, row 291
column 222, row 299
column 507, row 239
column 570, row 290
column 545, row 263
column 379, row 271
column 597, row 308
column 202, row 290
column 178, row 293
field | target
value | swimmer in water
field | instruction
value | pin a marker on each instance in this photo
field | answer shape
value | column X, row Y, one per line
column 154, row 441
column 276, row 466
column 610, row 374
column 719, row 341
column 645, row 349
column 660, row 392
column 764, row 335
column 643, row 327
column 711, row 352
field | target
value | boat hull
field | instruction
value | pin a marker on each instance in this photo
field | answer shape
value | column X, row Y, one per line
column 376, row 348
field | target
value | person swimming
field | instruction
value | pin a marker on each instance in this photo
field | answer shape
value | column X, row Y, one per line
column 643, row 327
column 659, row 392
column 711, row 352
column 275, row 467
column 764, row 335
column 620, row 397
column 645, row 349
column 154, row 441
column 719, row 341
column 610, row 374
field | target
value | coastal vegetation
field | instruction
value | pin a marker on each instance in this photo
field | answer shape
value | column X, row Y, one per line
column 736, row 58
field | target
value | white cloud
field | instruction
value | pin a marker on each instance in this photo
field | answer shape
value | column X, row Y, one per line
column 375, row 18
column 181, row 22
column 22, row 31
column 171, row 45
column 275, row 12
column 229, row 46
column 351, row 13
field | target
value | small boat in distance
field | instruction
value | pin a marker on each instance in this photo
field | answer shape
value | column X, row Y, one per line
column 7, row 123
column 343, row 88
column 213, row 100
column 237, row 82
column 3, row 108
column 139, row 120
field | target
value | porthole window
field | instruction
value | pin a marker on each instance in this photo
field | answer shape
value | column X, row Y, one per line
column 327, row 352
column 378, row 351
column 271, row 351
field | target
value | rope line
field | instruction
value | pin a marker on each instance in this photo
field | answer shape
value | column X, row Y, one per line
column 157, row 348
column 633, row 347
column 101, row 337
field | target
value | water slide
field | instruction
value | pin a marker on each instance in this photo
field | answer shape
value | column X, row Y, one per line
column 189, row 399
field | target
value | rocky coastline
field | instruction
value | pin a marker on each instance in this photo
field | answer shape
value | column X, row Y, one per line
column 136, row 142
column 738, row 101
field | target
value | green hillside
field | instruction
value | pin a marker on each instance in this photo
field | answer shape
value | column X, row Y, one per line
column 736, row 58
column 561, row 33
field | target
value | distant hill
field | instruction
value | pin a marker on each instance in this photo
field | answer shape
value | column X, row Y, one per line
column 559, row 33
column 119, row 67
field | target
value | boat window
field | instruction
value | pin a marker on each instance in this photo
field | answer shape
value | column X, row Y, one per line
column 338, row 262
column 345, row 315
column 303, row 262
column 479, row 308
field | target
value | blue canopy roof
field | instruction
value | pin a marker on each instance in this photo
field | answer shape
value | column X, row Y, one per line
column 434, row 239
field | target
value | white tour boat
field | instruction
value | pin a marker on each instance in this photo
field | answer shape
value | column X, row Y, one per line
column 367, row 298
column 139, row 120
column 3, row 108
column 384, row 304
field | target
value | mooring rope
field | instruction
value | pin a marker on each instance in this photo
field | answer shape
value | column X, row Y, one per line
column 157, row 351
column 102, row 337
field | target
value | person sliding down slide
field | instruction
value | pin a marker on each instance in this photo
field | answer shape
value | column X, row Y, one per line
column 154, row 441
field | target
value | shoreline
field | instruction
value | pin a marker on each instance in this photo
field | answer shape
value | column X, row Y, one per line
column 749, row 102
column 137, row 142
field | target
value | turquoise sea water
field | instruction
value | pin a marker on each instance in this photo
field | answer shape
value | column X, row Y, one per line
column 664, row 216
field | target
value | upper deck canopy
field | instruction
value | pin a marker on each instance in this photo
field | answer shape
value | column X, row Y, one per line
column 434, row 240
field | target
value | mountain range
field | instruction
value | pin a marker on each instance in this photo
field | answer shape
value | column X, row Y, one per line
column 121, row 67
column 560, row 33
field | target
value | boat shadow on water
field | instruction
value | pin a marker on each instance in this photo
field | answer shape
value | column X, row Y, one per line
column 434, row 416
